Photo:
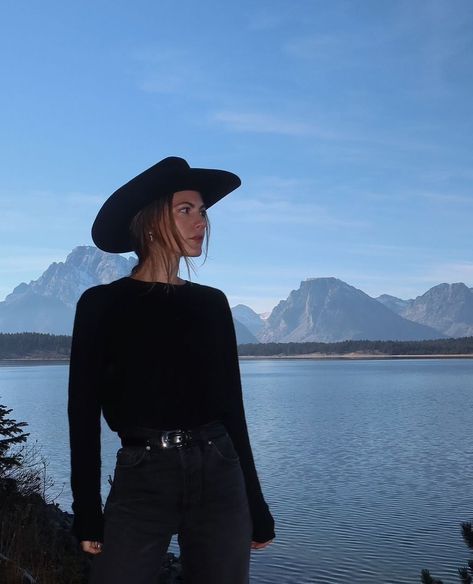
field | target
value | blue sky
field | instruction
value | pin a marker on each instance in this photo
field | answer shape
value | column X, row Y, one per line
column 349, row 122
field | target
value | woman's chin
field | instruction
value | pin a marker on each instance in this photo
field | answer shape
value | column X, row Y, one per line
column 193, row 253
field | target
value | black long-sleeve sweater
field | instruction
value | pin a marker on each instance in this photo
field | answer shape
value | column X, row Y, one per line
column 157, row 356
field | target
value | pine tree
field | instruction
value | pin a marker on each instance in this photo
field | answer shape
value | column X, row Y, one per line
column 465, row 574
column 11, row 434
column 427, row 578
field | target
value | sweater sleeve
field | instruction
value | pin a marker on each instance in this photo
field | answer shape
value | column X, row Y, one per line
column 235, row 422
column 84, row 411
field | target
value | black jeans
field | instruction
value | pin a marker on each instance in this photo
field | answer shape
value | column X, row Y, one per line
column 197, row 492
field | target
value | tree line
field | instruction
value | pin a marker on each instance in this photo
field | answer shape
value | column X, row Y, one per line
column 34, row 345
column 46, row 346
column 462, row 346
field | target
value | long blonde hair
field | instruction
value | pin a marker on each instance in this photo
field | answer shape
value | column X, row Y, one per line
column 157, row 219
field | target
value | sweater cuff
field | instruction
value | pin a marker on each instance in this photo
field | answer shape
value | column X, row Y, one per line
column 263, row 522
column 88, row 524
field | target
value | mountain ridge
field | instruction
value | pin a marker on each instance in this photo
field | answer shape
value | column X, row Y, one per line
column 445, row 307
column 321, row 309
column 330, row 310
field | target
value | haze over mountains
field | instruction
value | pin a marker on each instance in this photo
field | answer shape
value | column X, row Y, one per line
column 321, row 309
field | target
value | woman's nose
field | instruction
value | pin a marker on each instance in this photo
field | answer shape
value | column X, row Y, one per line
column 201, row 221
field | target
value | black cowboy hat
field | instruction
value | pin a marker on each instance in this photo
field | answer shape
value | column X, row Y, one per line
column 110, row 230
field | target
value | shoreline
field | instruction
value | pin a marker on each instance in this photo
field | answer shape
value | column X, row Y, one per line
column 354, row 357
column 308, row 356
column 33, row 361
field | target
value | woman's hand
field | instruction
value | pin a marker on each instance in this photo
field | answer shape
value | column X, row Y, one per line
column 91, row 547
column 256, row 545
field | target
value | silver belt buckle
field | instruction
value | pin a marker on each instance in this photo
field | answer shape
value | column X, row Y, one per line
column 174, row 438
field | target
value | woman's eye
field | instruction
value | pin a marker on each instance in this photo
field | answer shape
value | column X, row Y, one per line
column 187, row 210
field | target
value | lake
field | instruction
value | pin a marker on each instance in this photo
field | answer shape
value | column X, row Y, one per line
column 366, row 465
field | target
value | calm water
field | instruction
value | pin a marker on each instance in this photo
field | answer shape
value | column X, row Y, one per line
column 366, row 465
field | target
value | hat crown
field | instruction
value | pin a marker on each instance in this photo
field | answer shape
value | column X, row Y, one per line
column 173, row 163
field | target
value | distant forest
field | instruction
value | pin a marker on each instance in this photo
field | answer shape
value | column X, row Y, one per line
column 34, row 346
column 44, row 346
column 463, row 346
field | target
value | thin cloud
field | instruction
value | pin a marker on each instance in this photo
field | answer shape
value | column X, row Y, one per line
column 160, row 83
column 326, row 47
column 274, row 202
column 340, row 49
column 281, row 185
column 42, row 197
column 294, row 273
column 458, row 271
column 18, row 261
column 264, row 20
column 159, row 55
column 41, row 251
column 438, row 197
column 446, row 42
column 267, row 18
column 265, row 123
column 447, row 198
column 359, row 143
column 259, row 123
column 165, row 70
column 30, row 210
column 448, row 174
column 391, row 251
column 279, row 211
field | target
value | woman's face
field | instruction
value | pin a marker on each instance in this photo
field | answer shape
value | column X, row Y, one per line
column 191, row 219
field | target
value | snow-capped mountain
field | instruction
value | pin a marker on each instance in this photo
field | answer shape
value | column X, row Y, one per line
column 47, row 304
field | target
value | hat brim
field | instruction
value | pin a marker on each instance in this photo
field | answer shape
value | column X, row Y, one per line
column 110, row 231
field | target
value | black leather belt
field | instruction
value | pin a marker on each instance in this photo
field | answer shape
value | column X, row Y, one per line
column 178, row 438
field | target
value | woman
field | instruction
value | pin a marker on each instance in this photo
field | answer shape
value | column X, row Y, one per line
column 157, row 356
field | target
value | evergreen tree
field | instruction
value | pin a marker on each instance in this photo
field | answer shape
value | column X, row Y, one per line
column 465, row 574
column 427, row 578
column 11, row 434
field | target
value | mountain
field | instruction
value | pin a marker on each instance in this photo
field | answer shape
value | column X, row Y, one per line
column 248, row 317
column 446, row 307
column 47, row 304
column 395, row 304
column 329, row 310
column 84, row 267
column 243, row 335
column 322, row 309
column 30, row 312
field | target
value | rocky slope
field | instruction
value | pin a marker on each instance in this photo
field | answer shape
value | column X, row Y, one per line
column 446, row 307
column 47, row 305
column 395, row 304
column 329, row 310
column 249, row 318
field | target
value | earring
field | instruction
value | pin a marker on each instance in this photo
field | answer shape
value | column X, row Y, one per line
column 150, row 235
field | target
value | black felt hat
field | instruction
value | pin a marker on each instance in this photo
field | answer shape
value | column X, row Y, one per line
column 110, row 230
